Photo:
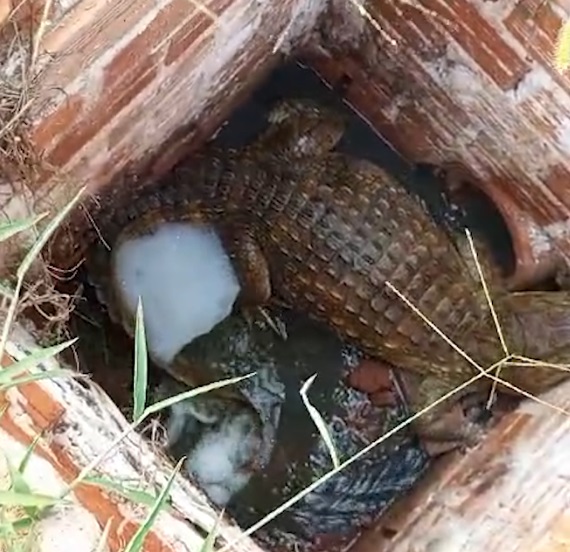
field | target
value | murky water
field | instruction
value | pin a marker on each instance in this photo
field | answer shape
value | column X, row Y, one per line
column 331, row 515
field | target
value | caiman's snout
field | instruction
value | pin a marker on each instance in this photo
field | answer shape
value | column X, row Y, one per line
column 318, row 127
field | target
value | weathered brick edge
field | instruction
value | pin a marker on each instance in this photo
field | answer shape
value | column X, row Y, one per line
column 44, row 412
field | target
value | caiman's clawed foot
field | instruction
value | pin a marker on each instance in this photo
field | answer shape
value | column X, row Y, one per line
column 260, row 314
column 248, row 261
column 451, row 431
column 454, row 424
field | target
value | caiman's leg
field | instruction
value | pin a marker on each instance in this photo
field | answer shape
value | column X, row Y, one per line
column 252, row 272
column 444, row 427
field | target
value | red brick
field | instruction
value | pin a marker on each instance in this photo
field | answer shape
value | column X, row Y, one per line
column 535, row 28
column 481, row 41
column 559, row 182
column 118, row 158
column 64, row 117
column 106, row 108
column 219, row 6
column 416, row 29
column 87, row 31
column 548, row 21
column 28, row 14
column 139, row 48
column 187, row 35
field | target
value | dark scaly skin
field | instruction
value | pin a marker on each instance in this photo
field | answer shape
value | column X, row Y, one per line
column 324, row 232
column 329, row 247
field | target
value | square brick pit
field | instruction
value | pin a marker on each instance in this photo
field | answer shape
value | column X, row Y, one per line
column 466, row 85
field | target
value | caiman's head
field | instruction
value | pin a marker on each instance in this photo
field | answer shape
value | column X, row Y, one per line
column 303, row 127
column 232, row 348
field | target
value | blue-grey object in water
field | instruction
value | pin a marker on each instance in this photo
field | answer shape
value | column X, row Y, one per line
column 334, row 513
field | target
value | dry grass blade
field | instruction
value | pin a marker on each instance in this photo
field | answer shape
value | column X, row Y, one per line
column 483, row 280
column 27, row 262
column 40, row 33
column 487, row 372
column 525, row 361
column 319, row 422
column 496, row 379
column 487, row 293
column 368, row 16
column 102, row 544
column 449, row 341
column 562, row 50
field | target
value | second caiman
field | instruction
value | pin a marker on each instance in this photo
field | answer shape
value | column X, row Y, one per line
column 324, row 232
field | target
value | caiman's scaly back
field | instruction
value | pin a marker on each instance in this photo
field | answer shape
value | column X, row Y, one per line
column 324, row 233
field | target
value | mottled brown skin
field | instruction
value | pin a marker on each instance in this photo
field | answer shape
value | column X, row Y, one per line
column 323, row 232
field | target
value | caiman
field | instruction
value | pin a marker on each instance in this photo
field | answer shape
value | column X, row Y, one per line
column 324, row 232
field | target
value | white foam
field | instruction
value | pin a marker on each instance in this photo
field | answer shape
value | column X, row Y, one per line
column 185, row 280
column 219, row 461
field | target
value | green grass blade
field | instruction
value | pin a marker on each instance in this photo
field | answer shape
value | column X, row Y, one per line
column 319, row 422
column 141, row 365
column 23, row 523
column 13, row 498
column 10, row 315
column 46, row 235
column 20, row 485
column 28, row 454
column 137, row 542
column 31, row 361
column 165, row 403
column 130, row 493
column 50, row 374
column 12, row 228
column 210, row 540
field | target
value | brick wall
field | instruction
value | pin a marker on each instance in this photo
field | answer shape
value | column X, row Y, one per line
column 465, row 83
column 121, row 76
column 469, row 83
